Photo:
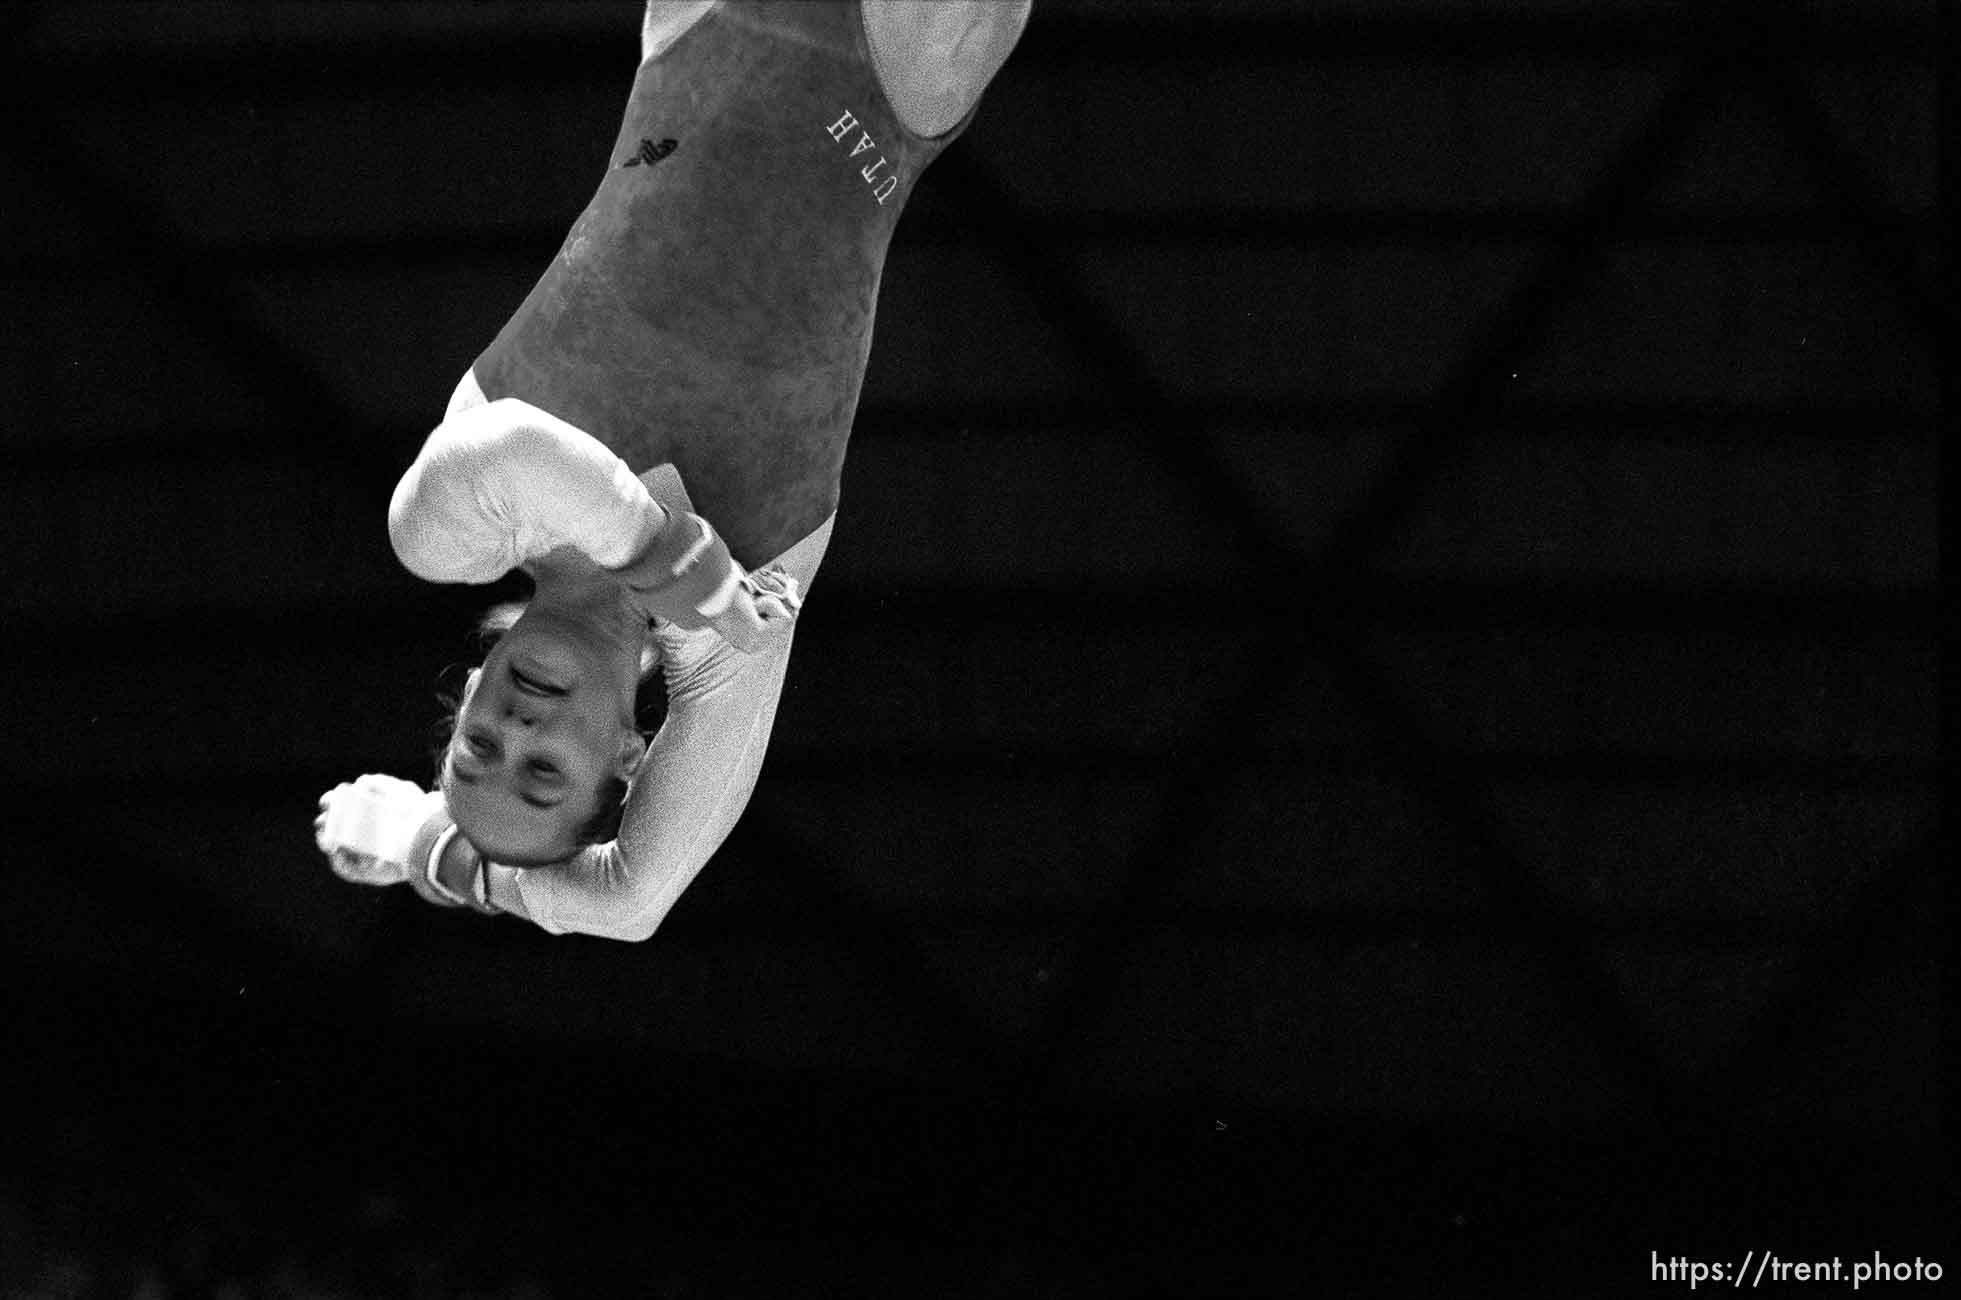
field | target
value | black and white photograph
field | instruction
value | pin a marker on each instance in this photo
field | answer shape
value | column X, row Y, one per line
column 973, row 649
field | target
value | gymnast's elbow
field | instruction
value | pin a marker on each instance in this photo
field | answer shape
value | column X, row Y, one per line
column 630, row 919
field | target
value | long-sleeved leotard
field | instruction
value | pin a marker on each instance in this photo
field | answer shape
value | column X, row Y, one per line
column 712, row 308
column 706, row 322
column 559, row 487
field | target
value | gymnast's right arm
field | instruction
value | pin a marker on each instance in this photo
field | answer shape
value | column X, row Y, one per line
column 687, row 795
column 495, row 487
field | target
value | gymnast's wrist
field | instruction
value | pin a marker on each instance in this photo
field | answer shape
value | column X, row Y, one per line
column 442, row 863
column 416, row 860
column 457, row 872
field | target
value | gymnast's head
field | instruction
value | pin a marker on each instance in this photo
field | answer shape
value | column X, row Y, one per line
column 544, row 743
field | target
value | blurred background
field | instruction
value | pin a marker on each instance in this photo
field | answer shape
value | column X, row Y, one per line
column 1369, row 724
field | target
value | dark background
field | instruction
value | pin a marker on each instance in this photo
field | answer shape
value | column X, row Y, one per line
column 1369, row 724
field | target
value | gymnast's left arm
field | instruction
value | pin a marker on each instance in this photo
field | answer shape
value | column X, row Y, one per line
column 686, row 796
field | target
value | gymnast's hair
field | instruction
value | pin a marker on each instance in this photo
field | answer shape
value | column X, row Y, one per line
column 604, row 824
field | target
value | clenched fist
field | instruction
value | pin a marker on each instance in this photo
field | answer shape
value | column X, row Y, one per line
column 368, row 826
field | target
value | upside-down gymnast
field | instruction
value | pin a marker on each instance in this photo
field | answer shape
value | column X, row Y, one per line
column 656, row 439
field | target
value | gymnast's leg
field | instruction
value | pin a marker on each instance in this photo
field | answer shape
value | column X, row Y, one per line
column 935, row 57
column 665, row 20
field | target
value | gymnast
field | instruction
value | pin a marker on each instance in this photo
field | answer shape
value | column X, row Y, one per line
column 656, row 438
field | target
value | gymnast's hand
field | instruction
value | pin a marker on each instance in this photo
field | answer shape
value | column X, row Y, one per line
column 366, row 827
column 686, row 576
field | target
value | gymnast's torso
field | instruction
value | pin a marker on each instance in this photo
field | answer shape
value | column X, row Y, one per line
column 712, row 307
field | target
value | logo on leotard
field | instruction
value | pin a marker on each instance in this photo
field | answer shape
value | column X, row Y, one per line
column 651, row 153
column 882, row 186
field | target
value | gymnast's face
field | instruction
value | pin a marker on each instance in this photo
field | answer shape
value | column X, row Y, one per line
column 546, row 723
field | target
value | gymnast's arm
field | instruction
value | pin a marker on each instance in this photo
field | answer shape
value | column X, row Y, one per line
column 686, row 796
column 503, row 482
